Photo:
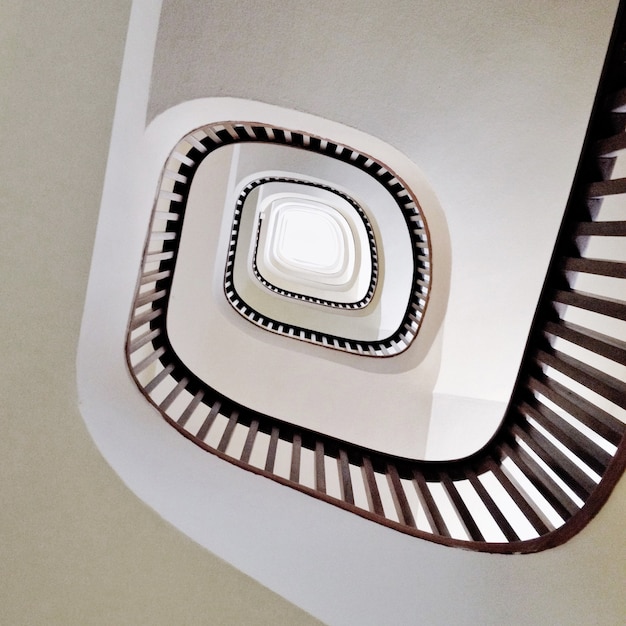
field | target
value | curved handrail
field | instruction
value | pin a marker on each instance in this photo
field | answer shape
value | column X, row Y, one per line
column 195, row 147
column 373, row 253
column 560, row 448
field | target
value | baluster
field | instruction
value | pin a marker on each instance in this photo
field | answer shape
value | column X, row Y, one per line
column 191, row 407
column 590, row 377
column 580, row 483
column 523, row 501
column 403, row 509
column 584, row 448
column 248, row 445
column 345, row 480
column 320, row 470
column 431, row 510
column 271, row 450
column 172, row 395
column 494, row 510
column 371, row 488
column 296, row 447
column 208, row 422
column 463, row 513
column 143, row 339
column 599, row 343
column 556, row 497
column 151, row 358
column 228, row 431
column 159, row 378
column 583, row 410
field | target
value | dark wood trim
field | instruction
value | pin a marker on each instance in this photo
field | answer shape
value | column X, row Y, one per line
column 208, row 422
column 602, row 383
column 320, row 469
column 614, row 269
column 599, row 343
column 371, row 488
column 591, row 302
column 465, row 517
column 595, row 457
column 429, row 506
column 601, row 229
column 294, row 471
column 400, row 501
column 249, row 443
column 345, row 480
column 584, row 411
column 493, row 509
column 271, row 450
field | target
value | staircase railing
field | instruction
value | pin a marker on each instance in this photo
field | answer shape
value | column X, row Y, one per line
column 560, row 448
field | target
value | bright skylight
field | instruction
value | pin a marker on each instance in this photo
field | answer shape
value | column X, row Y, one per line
column 307, row 236
column 309, row 241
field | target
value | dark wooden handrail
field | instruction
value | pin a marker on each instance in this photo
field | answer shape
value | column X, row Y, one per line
column 560, row 448
column 373, row 254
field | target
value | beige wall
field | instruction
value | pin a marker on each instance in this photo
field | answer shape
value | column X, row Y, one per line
column 76, row 546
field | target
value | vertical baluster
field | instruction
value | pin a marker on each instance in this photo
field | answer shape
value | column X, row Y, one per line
column 577, row 480
column 400, row 501
column 191, row 407
column 143, row 339
column 248, row 445
column 151, row 358
column 271, row 450
column 584, row 411
column 208, row 422
column 228, row 431
column 522, row 500
column 143, row 318
column 494, row 510
column 463, row 513
column 344, row 477
column 584, row 448
column 159, row 378
column 371, row 488
column 431, row 510
column 320, row 470
column 557, row 498
column 296, row 447
column 172, row 395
